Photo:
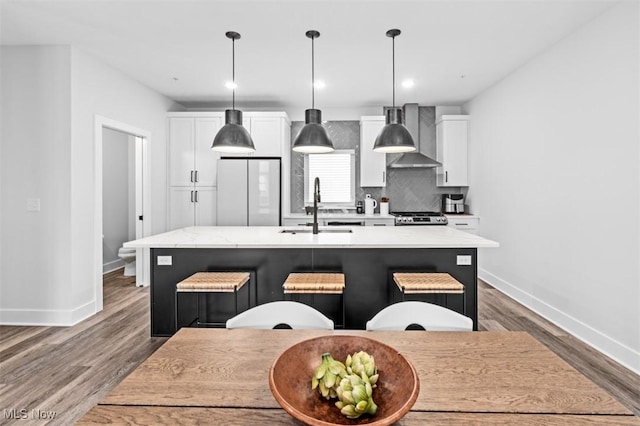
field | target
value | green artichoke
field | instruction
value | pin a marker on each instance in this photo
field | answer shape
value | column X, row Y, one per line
column 327, row 376
column 355, row 394
column 361, row 362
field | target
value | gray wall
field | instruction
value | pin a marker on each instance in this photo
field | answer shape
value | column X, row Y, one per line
column 407, row 189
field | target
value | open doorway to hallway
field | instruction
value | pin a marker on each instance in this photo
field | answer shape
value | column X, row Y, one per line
column 122, row 199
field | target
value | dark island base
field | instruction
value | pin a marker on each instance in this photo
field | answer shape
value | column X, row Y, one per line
column 367, row 273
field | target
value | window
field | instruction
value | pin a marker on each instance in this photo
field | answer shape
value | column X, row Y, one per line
column 336, row 171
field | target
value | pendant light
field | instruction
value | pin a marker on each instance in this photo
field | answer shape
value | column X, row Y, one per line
column 232, row 137
column 394, row 137
column 313, row 136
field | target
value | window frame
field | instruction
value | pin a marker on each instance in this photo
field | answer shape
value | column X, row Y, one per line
column 352, row 163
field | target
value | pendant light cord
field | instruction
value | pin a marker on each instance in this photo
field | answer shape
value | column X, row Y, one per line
column 233, row 72
column 393, row 68
column 313, row 78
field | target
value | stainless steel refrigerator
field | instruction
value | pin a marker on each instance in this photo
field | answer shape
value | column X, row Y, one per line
column 249, row 192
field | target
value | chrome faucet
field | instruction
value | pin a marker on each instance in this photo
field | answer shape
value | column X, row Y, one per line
column 316, row 200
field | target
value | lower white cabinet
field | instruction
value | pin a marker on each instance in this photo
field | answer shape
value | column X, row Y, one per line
column 192, row 207
column 464, row 222
column 340, row 221
column 390, row 221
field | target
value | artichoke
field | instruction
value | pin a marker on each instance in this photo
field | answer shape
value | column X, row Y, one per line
column 327, row 376
column 362, row 363
column 355, row 394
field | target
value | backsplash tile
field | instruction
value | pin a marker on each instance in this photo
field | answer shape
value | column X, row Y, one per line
column 407, row 189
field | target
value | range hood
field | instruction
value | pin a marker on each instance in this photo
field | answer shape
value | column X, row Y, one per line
column 415, row 159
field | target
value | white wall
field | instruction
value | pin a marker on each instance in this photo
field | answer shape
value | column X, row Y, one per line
column 50, row 97
column 554, row 175
column 36, row 155
column 118, row 184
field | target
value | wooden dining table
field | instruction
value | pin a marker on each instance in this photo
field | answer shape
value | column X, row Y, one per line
column 220, row 376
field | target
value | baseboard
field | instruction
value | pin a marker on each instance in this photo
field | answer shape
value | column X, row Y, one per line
column 47, row 317
column 615, row 350
column 112, row 266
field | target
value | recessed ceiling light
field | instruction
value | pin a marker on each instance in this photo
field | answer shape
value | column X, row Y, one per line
column 408, row 83
column 319, row 84
column 230, row 85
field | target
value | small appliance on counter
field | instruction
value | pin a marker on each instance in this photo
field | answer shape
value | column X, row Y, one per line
column 453, row 203
column 360, row 207
column 369, row 205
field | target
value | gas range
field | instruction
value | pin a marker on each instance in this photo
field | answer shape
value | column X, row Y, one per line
column 419, row 218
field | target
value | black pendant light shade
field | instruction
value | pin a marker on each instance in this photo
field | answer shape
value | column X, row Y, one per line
column 313, row 137
column 232, row 137
column 394, row 137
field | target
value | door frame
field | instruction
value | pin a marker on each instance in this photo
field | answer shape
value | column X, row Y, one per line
column 143, row 199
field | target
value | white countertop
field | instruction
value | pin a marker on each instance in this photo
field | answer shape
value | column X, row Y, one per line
column 271, row 237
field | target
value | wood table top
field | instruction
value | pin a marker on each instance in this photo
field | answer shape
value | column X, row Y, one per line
column 464, row 372
column 145, row 415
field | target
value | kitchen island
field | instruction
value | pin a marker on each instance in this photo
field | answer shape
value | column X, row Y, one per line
column 366, row 255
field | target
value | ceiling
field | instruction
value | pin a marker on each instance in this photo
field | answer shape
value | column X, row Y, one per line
column 452, row 49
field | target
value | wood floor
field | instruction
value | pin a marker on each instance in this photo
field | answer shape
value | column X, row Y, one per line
column 67, row 370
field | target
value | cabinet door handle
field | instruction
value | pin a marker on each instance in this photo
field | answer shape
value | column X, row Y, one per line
column 196, row 176
column 196, row 196
column 191, row 180
column 192, row 196
column 461, row 224
column 384, row 176
column 446, row 176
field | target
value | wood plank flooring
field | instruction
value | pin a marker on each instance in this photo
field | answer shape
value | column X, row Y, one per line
column 67, row 370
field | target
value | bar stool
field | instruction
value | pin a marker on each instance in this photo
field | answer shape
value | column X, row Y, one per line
column 316, row 283
column 212, row 282
column 429, row 283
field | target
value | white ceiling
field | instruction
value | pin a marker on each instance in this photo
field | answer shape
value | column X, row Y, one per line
column 452, row 49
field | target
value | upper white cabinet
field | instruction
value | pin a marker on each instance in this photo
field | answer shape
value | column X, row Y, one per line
column 452, row 133
column 373, row 165
column 191, row 160
column 269, row 131
column 192, row 164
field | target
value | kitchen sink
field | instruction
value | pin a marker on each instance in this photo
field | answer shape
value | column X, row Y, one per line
column 322, row 231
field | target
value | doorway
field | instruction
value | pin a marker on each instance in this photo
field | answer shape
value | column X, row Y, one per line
column 140, row 207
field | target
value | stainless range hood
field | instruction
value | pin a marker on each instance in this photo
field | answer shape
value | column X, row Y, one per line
column 416, row 159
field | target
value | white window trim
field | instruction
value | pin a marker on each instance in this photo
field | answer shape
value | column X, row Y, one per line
column 352, row 196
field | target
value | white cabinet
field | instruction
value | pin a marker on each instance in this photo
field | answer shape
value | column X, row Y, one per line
column 381, row 221
column 192, row 168
column 373, row 165
column 452, row 132
column 192, row 164
column 269, row 132
column 192, row 206
column 191, row 160
column 350, row 220
column 465, row 223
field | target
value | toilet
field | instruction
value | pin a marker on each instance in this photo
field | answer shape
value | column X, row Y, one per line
column 129, row 257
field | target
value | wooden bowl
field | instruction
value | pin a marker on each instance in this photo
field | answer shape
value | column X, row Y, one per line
column 290, row 381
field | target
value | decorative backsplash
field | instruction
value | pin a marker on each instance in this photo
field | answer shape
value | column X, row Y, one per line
column 407, row 189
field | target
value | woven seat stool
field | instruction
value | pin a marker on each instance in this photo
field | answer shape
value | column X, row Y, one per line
column 212, row 282
column 320, row 283
column 429, row 283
